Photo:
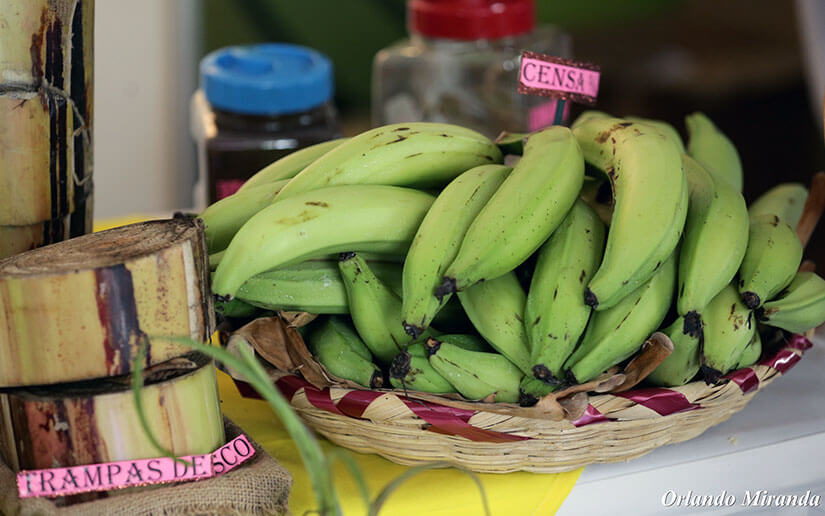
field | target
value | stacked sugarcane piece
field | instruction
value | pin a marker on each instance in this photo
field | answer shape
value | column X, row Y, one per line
column 73, row 318
column 46, row 70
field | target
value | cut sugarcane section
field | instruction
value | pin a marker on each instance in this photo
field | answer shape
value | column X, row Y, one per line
column 18, row 239
column 78, row 309
column 46, row 85
column 96, row 421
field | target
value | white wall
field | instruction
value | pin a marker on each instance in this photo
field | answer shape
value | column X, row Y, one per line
column 145, row 70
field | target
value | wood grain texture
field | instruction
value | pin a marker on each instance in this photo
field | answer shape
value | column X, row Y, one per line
column 79, row 309
column 92, row 422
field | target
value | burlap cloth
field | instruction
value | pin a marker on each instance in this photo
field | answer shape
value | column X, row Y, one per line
column 258, row 487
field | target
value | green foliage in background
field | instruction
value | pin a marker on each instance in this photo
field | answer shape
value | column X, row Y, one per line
column 350, row 32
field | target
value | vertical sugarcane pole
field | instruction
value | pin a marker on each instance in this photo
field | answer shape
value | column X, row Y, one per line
column 46, row 76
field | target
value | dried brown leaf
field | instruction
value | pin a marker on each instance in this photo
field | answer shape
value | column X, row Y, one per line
column 654, row 351
column 574, row 406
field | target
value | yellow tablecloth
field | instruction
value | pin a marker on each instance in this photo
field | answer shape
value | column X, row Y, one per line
column 443, row 492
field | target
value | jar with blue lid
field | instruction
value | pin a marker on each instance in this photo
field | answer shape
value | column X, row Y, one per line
column 255, row 105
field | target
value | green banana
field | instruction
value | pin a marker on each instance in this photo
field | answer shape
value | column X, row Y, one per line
column 663, row 127
column 235, row 308
column 771, row 260
column 436, row 243
column 714, row 243
column 799, row 307
column 751, row 353
column 224, row 218
column 614, row 334
column 555, row 314
column 710, row 147
column 728, row 328
column 523, row 213
column 511, row 143
column 682, row 365
column 291, row 164
column 312, row 286
column 650, row 203
column 785, row 200
column 496, row 309
column 418, row 154
column 474, row 374
column 411, row 368
column 334, row 219
column 215, row 260
column 375, row 309
column 531, row 390
column 586, row 115
column 339, row 349
column 464, row 341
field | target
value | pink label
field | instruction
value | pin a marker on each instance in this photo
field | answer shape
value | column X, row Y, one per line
column 131, row 473
column 226, row 187
column 550, row 76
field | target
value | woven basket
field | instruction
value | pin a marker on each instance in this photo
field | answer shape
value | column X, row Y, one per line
column 410, row 430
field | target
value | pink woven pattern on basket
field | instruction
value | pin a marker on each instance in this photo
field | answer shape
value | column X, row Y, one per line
column 443, row 419
column 451, row 421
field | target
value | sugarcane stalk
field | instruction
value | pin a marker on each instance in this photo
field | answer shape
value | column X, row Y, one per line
column 17, row 239
column 46, row 67
column 93, row 422
column 78, row 309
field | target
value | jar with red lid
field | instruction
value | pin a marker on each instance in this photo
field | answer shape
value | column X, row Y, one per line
column 460, row 65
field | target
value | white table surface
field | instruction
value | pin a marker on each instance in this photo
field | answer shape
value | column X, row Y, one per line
column 776, row 443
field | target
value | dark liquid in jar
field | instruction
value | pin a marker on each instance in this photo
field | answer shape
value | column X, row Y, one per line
column 244, row 144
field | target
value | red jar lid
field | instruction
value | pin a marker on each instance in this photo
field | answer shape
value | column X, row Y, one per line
column 471, row 19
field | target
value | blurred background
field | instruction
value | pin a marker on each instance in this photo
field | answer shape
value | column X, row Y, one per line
column 756, row 67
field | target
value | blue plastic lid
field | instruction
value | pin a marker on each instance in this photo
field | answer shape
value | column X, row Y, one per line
column 266, row 79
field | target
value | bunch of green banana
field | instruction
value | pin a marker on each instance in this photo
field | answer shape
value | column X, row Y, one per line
column 436, row 243
column 714, row 243
column 411, row 368
column 710, row 147
column 651, row 199
column 799, row 307
column 475, row 374
column 496, row 309
column 785, row 200
column 375, row 309
column 334, row 219
column 555, row 314
column 224, row 218
column 728, row 328
column 524, row 211
column 312, row 286
column 420, row 154
column 291, row 164
column 339, row 349
column 771, row 260
column 683, row 363
column 614, row 334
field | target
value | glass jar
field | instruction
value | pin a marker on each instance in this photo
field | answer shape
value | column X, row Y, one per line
column 460, row 65
column 257, row 104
